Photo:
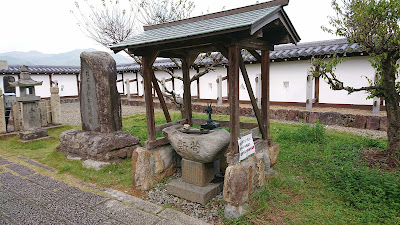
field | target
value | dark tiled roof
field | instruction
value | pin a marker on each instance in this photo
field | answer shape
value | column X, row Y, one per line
column 199, row 27
column 281, row 52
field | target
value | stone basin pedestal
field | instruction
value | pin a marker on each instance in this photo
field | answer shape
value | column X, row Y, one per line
column 198, row 152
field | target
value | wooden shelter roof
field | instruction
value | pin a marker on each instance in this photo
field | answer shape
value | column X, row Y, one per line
column 263, row 25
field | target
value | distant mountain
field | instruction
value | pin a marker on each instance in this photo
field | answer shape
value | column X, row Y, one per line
column 71, row 58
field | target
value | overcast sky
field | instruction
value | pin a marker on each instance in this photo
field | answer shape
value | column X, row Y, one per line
column 49, row 27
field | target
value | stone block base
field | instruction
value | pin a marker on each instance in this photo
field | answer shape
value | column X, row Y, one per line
column 197, row 173
column 243, row 178
column 192, row 192
column 149, row 166
column 106, row 147
column 32, row 134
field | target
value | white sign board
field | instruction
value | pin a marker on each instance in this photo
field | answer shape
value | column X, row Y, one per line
column 3, row 65
column 246, row 146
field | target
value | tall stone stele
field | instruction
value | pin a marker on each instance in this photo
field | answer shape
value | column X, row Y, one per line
column 30, row 110
column 101, row 137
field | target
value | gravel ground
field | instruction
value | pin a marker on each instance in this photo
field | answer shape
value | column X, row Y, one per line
column 208, row 213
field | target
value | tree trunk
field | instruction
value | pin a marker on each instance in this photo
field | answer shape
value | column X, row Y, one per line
column 392, row 109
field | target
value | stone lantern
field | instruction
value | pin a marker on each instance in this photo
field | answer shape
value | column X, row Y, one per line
column 30, row 110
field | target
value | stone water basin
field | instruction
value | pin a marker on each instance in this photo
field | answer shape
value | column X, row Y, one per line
column 203, row 148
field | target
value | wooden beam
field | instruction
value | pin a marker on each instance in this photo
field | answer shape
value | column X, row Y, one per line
column 253, row 44
column 161, row 97
column 225, row 123
column 234, row 126
column 255, row 54
column 316, row 90
column 187, row 96
column 150, row 144
column 161, row 127
column 252, row 97
column 265, row 64
column 147, row 62
column 137, row 84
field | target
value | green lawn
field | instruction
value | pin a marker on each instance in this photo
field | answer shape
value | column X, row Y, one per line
column 320, row 177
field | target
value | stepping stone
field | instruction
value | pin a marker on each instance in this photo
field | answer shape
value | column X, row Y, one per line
column 137, row 202
column 180, row 218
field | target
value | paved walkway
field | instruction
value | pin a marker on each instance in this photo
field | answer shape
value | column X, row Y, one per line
column 29, row 197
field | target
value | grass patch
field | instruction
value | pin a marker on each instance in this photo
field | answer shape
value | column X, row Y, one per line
column 321, row 177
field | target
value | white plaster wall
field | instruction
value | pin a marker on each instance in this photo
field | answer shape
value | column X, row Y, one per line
column 44, row 90
column 293, row 72
column 352, row 72
column 208, row 84
column 66, row 84
column 132, row 86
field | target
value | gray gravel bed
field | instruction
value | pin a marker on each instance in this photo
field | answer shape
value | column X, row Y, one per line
column 361, row 132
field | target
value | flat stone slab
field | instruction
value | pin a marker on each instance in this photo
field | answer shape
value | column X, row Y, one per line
column 179, row 218
column 192, row 192
column 105, row 147
column 30, row 135
column 92, row 164
column 126, row 214
column 137, row 202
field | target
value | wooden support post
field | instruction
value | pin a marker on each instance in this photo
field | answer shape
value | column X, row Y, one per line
column 164, row 82
column 147, row 62
column 219, row 90
column 252, row 98
column 122, row 81
column 128, row 89
column 265, row 64
column 309, row 99
column 187, row 96
column 258, row 90
column 77, row 82
column 161, row 98
column 137, row 84
column 316, row 90
column 234, row 125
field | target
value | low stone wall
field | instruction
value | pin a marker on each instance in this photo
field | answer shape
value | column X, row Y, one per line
column 328, row 118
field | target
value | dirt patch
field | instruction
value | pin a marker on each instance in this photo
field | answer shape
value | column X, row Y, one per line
column 380, row 159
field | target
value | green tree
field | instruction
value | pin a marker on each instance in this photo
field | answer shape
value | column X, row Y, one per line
column 374, row 24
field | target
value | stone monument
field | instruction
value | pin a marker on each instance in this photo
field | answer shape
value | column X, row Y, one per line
column 31, row 125
column 101, row 137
